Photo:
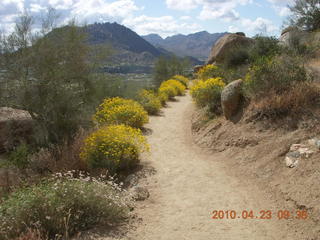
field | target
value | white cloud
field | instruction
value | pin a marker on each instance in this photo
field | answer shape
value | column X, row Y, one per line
column 164, row 26
column 281, row 6
column 211, row 9
column 259, row 25
column 233, row 29
column 185, row 18
column 182, row 4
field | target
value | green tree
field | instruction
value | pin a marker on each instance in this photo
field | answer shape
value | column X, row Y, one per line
column 167, row 67
column 49, row 75
column 306, row 14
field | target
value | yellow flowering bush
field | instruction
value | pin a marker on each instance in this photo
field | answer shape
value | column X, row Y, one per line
column 150, row 101
column 178, row 86
column 121, row 111
column 114, row 147
column 207, row 93
column 208, row 71
column 182, row 79
column 163, row 97
column 168, row 91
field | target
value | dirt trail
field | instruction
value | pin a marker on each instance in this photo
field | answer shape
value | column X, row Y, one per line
column 190, row 183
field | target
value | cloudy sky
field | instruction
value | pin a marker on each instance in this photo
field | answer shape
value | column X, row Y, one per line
column 165, row 17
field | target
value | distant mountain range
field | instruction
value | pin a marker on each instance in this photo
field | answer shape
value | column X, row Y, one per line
column 197, row 45
column 130, row 48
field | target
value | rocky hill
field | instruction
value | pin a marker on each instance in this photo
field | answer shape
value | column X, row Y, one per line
column 197, row 45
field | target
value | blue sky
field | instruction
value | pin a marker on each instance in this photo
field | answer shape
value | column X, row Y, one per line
column 165, row 17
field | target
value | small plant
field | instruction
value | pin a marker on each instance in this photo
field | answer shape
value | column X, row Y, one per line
column 20, row 156
column 207, row 93
column 150, row 101
column 182, row 79
column 115, row 148
column 121, row 111
column 61, row 207
column 179, row 87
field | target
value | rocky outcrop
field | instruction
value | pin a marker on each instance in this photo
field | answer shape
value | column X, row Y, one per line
column 226, row 45
column 15, row 126
column 291, row 35
column 231, row 99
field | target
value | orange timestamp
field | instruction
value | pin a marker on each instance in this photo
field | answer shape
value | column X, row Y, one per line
column 262, row 214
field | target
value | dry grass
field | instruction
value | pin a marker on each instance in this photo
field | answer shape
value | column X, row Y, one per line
column 298, row 99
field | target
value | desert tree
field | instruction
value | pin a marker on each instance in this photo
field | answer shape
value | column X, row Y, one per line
column 305, row 14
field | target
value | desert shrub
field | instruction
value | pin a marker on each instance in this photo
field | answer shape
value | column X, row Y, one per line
column 273, row 74
column 207, row 93
column 305, row 14
column 181, row 79
column 150, row 101
column 115, row 148
column 121, row 111
column 61, row 207
column 298, row 99
column 163, row 96
column 31, row 234
column 20, row 156
column 179, row 87
column 264, row 46
column 208, row 71
column 238, row 56
column 168, row 91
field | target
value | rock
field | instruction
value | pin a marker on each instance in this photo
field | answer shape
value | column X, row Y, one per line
column 241, row 34
column 16, row 126
column 292, row 159
column 315, row 142
column 131, row 180
column 226, row 45
column 231, row 98
column 140, row 193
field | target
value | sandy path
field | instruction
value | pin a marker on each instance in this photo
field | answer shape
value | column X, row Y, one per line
column 190, row 184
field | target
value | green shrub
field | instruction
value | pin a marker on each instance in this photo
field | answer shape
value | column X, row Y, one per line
column 236, row 57
column 121, row 111
column 114, row 147
column 207, row 93
column 273, row 74
column 19, row 156
column 61, row 207
column 150, row 101
column 264, row 46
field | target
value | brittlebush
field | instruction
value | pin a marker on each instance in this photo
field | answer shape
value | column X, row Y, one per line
column 207, row 93
column 114, row 147
column 121, row 111
column 207, row 72
column 182, row 79
column 150, row 101
column 179, row 87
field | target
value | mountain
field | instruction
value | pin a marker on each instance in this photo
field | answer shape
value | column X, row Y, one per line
column 197, row 45
column 119, row 37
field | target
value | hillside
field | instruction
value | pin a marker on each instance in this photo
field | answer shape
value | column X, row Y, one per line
column 197, row 45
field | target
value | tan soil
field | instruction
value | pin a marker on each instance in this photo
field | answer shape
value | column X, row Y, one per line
column 190, row 183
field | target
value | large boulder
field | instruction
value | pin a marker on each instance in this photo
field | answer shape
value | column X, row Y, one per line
column 231, row 99
column 225, row 45
column 16, row 126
